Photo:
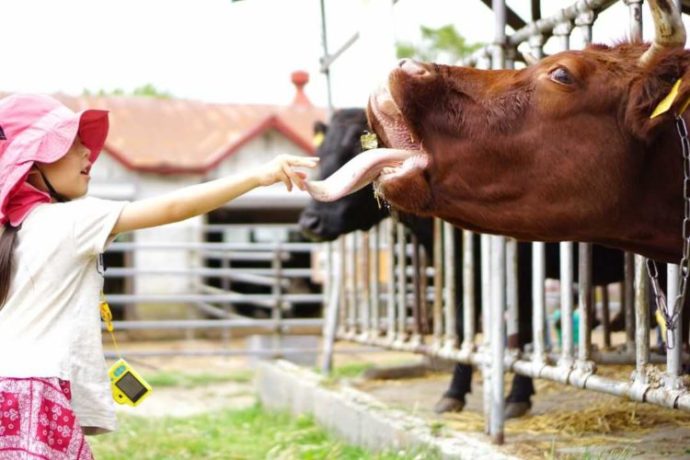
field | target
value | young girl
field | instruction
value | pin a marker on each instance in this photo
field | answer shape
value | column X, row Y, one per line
column 54, row 386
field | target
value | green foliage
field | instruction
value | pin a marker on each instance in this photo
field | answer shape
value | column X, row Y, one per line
column 436, row 45
column 147, row 90
column 240, row 434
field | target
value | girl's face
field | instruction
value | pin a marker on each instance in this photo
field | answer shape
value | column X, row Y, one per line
column 69, row 176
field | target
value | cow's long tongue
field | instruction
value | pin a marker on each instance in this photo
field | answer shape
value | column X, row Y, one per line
column 357, row 173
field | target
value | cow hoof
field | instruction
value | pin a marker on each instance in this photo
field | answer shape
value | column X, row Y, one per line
column 517, row 409
column 447, row 404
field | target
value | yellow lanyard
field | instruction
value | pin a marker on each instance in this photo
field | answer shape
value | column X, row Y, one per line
column 107, row 317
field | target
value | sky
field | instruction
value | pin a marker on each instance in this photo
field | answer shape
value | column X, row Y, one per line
column 230, row 52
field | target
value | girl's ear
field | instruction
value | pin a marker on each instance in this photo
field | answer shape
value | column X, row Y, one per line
column 660, row 92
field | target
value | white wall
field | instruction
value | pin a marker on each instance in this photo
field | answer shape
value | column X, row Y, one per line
column 257, row 152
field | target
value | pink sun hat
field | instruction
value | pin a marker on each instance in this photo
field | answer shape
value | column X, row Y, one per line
column 39, row 129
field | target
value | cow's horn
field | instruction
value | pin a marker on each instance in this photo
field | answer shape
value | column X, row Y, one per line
column 669, row 31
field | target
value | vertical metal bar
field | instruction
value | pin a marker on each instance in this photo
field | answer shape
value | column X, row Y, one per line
column 566, row 269
column 402, row 282
column 468, row 294
column 327, row 70
column 353, row 304
column 328, row 278
column 585, row 300
column 635, row 19
column 438, row 281
column 605, row 316
column 391, row 280
column 277, row 292
column 673, row 355
column 451, row 288
column 342, row 275
column 641, row 318
column 227, row 306
column 416, row 289
column 485, row 242
column 365, row 280
column 563, row 31
column 512, row 294
column 332, row 311
column 424, row 288
column 629, row 300
column 374, row 280
column 498, row 250
column 584, row 21
column 539, row 299
column 498, row 287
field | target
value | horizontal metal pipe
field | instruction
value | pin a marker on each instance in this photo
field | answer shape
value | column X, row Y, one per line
column 269, row 324
column 239, row 274
column 190, row 245
column 234, row 352
column 543, row 26
column 117, row 299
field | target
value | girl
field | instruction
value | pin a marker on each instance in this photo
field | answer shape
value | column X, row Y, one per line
column 53, row 383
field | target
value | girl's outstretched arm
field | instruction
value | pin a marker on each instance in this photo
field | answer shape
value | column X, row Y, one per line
column 201, row 198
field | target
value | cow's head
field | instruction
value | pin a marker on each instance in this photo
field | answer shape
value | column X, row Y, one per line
column 358, row 211
column 561, row 150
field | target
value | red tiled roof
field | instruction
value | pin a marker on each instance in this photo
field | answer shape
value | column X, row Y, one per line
column 170, row 136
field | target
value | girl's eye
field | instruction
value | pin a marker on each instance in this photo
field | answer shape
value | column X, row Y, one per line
column 562, row 76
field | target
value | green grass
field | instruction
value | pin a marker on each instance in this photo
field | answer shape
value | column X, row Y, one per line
column 346, row 371
column 185, row 380
column 246, row 434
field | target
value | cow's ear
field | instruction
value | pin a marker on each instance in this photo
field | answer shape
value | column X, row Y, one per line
column 658, row 94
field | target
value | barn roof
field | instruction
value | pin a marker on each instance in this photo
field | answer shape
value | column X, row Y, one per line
column 174, row 136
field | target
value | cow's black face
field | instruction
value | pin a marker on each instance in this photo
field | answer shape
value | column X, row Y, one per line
column 359, row 211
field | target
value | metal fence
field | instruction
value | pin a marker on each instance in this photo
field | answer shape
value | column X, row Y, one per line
column 381, row 292
column 217, row 277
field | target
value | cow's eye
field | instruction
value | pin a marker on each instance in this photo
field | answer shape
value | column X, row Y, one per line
column 562, row 76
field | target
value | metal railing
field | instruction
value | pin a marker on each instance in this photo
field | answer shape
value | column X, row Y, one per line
column 393, row 308
column 215, row 278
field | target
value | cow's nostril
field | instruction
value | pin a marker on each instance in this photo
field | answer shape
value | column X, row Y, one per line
column 309, row 222
column 412, row 67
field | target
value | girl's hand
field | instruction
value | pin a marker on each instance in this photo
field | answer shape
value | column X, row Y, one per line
column 282, row 169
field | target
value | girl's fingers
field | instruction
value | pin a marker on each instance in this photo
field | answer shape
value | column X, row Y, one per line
column 294, row 178
column 285, row 180
column 311, row 162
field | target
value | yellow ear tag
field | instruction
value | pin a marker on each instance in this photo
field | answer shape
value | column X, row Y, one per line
column 667, row 102
column 318, row 139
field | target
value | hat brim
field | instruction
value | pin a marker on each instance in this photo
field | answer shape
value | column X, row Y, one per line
column 93, row 130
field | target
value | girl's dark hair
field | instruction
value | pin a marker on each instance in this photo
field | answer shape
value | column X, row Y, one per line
column 8, row 240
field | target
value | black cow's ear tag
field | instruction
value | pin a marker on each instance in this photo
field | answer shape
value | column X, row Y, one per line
column 2, row 135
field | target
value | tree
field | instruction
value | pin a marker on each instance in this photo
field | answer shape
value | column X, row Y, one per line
column 444, row 45
column 147, row 90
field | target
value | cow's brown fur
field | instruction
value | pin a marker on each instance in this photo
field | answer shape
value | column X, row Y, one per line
column 516, row 153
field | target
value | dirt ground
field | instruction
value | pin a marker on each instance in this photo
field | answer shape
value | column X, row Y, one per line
column 563, row 423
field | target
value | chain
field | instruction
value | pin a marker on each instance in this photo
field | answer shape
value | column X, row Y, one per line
column 671, row 317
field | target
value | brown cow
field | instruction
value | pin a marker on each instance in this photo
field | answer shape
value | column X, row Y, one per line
column 562, row 150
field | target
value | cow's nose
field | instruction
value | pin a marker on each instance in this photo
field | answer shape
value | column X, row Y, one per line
column 412, row 67
column 310, row 225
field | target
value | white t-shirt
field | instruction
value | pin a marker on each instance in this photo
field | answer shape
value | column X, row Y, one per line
column 50, row 325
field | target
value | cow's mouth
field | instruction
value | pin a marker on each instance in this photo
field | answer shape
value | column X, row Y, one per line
column 402, row 156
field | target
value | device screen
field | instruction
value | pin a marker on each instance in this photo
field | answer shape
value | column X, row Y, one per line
column 131, row 387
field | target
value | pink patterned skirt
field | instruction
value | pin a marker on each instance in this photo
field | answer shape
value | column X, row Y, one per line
column 37, row 422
